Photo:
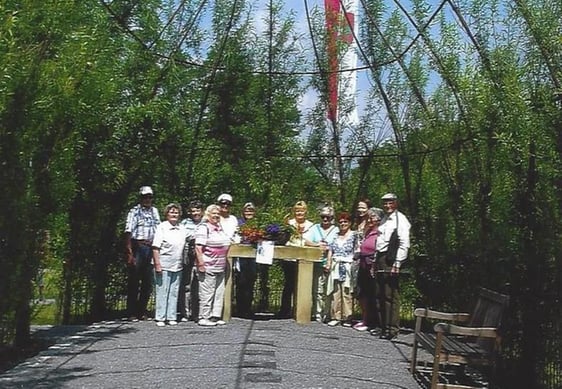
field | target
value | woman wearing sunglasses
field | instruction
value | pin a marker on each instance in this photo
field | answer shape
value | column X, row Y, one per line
column 340, row 259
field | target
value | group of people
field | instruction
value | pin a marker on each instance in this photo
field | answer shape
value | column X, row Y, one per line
column 186, row 261
column 361, row 259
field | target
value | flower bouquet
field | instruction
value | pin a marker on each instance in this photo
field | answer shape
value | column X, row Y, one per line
column 265, row 228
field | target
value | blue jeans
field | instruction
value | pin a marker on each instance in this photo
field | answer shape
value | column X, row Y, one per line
column 139, row 282
column 167, row 285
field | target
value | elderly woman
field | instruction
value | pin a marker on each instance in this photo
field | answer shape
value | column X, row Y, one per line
column 167, row 249
column 211, row 247
column 302, row 226
column 366, row 282
column 339, row 285
column 320, row 235
column 361, row 216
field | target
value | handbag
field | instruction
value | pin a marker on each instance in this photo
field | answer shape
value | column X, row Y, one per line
column 188, row 254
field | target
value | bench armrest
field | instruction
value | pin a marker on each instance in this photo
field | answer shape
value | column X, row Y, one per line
column 428, row 313
column 480, row 332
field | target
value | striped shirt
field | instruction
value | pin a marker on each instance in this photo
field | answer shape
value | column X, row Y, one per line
column 215, row 244
column 142, row 222
column 191, row 227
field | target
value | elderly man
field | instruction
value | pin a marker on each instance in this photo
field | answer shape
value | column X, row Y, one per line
column 228, row 222
column 392, row 250
column 141, row 224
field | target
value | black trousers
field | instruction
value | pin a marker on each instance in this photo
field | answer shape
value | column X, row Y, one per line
column 139, row 282
column 245, row 279
column 388, row 295
column 188, row 294
column 290, row 274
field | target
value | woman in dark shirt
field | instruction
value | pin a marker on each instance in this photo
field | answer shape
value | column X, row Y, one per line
column 366, row 283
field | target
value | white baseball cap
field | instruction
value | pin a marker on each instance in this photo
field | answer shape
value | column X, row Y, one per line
column 145, row 190
column 389, row 196
column 224, row 197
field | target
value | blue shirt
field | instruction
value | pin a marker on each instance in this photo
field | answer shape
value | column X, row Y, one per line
column 317, row 234
column 191, row 226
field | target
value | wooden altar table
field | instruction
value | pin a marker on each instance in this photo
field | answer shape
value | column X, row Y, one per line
column 305, row 257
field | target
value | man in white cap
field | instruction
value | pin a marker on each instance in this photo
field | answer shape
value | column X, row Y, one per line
column 228, row 222
column 392, row 251
column 141, row 224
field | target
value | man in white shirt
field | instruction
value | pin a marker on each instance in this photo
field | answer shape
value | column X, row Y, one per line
column 390, row 256
column 228, row 222
column 141, row 224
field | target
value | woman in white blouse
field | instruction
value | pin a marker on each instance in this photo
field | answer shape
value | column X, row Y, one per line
column 167, row 248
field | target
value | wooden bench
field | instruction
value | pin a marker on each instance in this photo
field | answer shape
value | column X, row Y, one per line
column 467, row 339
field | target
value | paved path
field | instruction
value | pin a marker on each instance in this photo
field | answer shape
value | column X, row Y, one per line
column 242, row 354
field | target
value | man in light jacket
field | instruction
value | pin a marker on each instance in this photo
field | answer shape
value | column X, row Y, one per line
column 388, row 262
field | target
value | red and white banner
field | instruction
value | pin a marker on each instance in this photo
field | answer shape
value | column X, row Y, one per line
column 341, row 27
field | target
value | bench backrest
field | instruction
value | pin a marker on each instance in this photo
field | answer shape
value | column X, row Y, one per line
column 488, row 312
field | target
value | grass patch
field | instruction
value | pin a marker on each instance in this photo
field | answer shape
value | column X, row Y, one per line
column 44, row 313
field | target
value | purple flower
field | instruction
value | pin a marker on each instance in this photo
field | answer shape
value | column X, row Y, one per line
column 272, row 229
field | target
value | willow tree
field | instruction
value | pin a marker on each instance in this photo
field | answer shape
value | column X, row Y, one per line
column 488, row 206
column 20, row 65
column 251, row 118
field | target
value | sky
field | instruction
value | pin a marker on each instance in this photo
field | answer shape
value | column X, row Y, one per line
column 363, row 83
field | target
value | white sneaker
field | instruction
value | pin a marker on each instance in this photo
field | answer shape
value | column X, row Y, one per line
column 184, row 319
column 160, row 323
column 173, row 323
column 206, row 323
column 218, row 321
column 333, row 323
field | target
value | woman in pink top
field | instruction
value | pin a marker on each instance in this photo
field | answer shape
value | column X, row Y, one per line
column 211, row 248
